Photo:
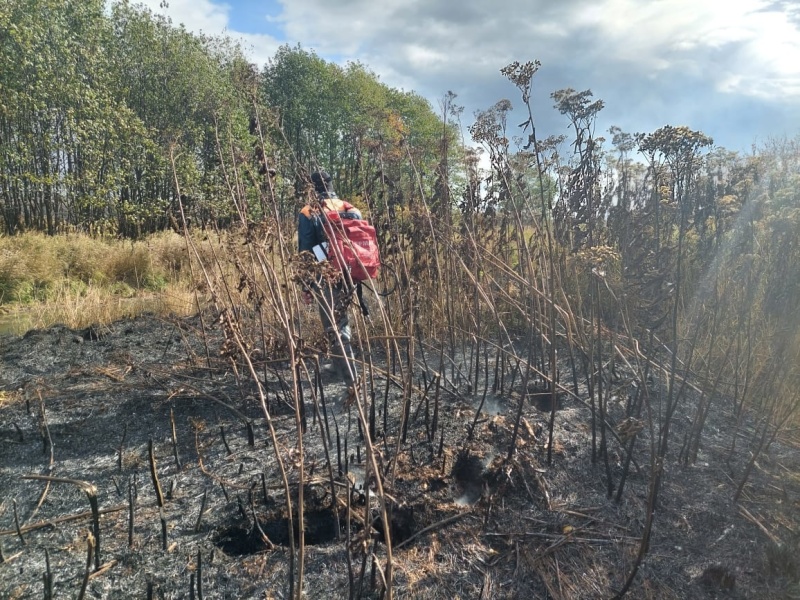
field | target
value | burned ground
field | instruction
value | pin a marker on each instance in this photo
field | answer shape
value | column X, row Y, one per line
column 85, row 407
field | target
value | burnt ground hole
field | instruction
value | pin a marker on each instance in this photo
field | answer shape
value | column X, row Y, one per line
column 539, row 394
column 543, row 401
column 320, row 527
column 468, row 473
column 238, row 541
column 404, row 524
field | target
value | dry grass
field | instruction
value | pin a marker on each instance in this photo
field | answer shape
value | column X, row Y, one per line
column 79, row 280
column 96, row 306
column 9, row 398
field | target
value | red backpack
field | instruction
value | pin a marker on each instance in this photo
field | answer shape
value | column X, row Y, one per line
column 356, row 245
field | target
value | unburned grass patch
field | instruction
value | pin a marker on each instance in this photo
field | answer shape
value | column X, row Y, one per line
column 8, row 398
column 77, row 280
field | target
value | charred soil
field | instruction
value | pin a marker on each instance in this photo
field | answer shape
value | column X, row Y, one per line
column 107, row 412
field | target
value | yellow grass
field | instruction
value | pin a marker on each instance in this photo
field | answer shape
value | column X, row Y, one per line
column 8, row 398
column 78, row 280
column 96, row 306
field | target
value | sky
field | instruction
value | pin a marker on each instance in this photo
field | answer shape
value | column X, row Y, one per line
column 728, row 68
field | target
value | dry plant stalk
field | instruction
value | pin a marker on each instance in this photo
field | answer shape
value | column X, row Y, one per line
column 154, row 474
column 91, row 493
column 174, row 439
column 87, row 572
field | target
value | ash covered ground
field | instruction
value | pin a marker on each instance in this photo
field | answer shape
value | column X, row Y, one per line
column 83, row 410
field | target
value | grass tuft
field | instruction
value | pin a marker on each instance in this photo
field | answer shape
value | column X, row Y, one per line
column 79, row 280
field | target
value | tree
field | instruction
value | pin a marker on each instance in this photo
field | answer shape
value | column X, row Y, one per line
column 61, row 121
column 185, row 91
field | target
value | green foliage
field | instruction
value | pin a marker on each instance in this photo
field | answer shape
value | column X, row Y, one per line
column 347, row 121
column 187, row 92
column 57, row 109
column 98, row 106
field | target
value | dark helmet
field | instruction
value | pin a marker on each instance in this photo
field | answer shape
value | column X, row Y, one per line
column 321, row 181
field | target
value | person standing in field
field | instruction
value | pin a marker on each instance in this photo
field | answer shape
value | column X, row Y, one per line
column 333, row 299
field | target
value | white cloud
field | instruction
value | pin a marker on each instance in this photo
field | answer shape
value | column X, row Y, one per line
column 258, row 47
column 213, row 18
column 756, row 49
column 653, row 61
column 196, row 15
column 749, row 47
column 760, row 48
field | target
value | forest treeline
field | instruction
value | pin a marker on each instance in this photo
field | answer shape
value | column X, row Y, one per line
column 104, row 109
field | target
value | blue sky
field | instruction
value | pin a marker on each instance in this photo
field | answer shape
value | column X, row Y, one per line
column 730, row 68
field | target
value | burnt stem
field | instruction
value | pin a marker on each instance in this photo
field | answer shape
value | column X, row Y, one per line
column 361, row 574
column 264, row 536
column 174, row 440
column 436, row 396
column 47, row 440
column 163, row 518
column 131, row 511
column 121, row 447
column 338, row 451
column 497, row 362
column 390, row 356
column 441, row 443
column 91, row 494
column 47, row 577
column 242, row 510
column 471, row 430
column 349, row 544
column 264, row 487
column 199, row 576
column 16, row 524
column 428, row 429
column 89, row 555
column 202, row 510
column 251, row 436
column 154, row 474
column 224, row 440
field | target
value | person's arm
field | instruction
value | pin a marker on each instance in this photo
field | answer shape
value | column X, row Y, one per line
column 306, row 232
column 308, row 236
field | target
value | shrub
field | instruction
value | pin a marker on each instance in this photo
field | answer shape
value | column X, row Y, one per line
column 29, row 267
column 83, row 258
column 168, row 251
column 134, row 267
